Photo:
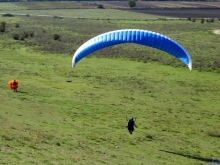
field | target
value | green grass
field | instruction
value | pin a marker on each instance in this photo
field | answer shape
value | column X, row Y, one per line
column 52, row 121
column 87, row 13
column 77, row 116
column 198, row 39
column 72, row 10
column 10, row 7
column 36, row 5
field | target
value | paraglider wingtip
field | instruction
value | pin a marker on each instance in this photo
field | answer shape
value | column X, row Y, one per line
column 190, row 66
column 73, row 64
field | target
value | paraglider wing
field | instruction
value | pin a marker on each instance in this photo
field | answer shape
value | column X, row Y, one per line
column 13, row 84
column 142, row 37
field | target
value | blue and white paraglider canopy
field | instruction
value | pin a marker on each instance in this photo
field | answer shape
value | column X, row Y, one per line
column 142, row 37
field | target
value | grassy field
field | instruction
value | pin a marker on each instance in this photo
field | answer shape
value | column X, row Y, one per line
column 62, row 115
column 77, row 116
column 109, row 5
column 73, row 10
column 114, row 9
column 198, row 38
column 87, row 13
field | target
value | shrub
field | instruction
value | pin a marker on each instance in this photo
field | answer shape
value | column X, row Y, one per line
column 2, row 26
column 56, row 36
column 2, row 29
column 212, row 20
column 17, row 25
column 131, row 3
column 8, row 15
column 202, row 20
column 24, row 35
column 100, row 6
column 215, row 65
column 15, row 36
column 31, row 33
column 194, row 20
column 214, row 134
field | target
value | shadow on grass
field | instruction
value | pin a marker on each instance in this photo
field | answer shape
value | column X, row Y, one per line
column 216, row 161
column 21, row 92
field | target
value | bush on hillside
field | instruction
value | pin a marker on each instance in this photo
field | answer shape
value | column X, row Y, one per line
column 56, row 36
column 100, row 6
column 2, row 26
column 15, row 36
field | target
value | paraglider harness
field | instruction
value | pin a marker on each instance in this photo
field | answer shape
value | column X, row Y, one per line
column 130, row 125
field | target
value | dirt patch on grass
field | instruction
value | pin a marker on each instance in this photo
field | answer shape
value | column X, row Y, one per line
column 217, row 32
